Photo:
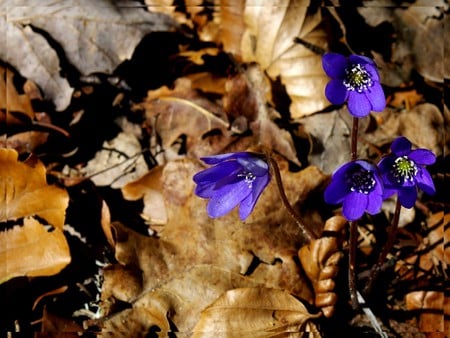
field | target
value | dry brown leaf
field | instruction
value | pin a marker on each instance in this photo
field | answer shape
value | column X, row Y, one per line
column 32, row 251
column 149, row 188
column 82, row 28
column 433, row 306
column 269, row 40
column 246, row 100
column 421, row 31
column 25, row 192
column 423, row 125
column 180, row 299
column 320, row 261
column 255, row 312
column 330, row 138
column 16, row 111
column 434, row 255
column 183, row 111
column 55, row 326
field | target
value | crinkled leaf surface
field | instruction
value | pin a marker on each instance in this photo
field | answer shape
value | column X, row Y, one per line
column 254, row 312
column 95, row 36
column 25, row 191
column 31, row 250
column 260, row 251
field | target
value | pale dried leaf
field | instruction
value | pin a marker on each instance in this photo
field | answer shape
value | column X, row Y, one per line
column 255, row 312
column 269, row 40
column 25, row 192
column 30, row 250
column 118, row 163
column 83, row 29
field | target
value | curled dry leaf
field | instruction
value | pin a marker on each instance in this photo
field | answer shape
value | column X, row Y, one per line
column 255, row 312
column 31, row 250
column 434, row 310
column 269, row 39
column 320, row 261
column 149, row 188
column 25, row 192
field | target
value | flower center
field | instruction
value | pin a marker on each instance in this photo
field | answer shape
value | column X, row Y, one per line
column 357, row 78
column 362, row 181
column 248, row 178
column 404, row 169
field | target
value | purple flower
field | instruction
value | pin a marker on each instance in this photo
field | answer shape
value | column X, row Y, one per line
column 235, row 178
column 403, row 171
column 354, row 79
column 358, row 186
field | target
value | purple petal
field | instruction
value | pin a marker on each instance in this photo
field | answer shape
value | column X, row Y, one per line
column 249, row 202
column 358, row 104
column 335, row 192
column 362, row 60
column 257, row 166
column 375, row 94
column 388, row 192
column 217, row 172
column 227, row 198
column 334, row 65
column 422, row 156
column 354, row 206
column 425, row 182
column 372, row 70
column 401, row 146
column 336, row 92
column 224, row 157
column 407, row 196
column 374, row 202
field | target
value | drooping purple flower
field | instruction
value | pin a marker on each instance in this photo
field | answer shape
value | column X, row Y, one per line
column 403, row 171
column 358, row 186
column 354, row 80
column 235, row 178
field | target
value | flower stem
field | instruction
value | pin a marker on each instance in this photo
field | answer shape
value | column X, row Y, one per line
column 354, row 138
column 352, row 265
column 310, row 235
column 386, row 249
column 353, row 229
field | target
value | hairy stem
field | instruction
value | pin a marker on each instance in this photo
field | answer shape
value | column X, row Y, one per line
column 354, row 138
column 352, row 265
column 353, row 229
column 386, row 249
column 309, row 234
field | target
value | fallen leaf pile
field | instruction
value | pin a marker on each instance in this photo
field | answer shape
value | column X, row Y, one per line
column 106, row 109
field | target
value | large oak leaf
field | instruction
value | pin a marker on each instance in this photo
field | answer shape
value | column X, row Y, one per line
column 95, row 37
